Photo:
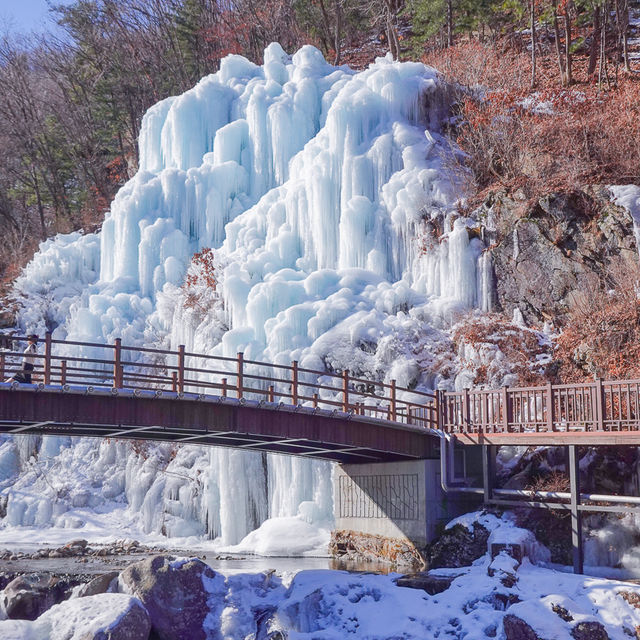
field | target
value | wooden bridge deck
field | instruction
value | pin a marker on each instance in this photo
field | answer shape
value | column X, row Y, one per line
column 99, row 390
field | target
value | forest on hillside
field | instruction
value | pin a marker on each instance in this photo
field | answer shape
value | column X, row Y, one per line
column 547, row 94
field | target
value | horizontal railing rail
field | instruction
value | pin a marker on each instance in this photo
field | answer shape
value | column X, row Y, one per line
column 72, row 362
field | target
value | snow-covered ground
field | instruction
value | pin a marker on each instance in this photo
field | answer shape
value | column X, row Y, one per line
column 485, row 600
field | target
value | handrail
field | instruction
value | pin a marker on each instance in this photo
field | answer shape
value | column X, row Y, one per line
column 183, row 371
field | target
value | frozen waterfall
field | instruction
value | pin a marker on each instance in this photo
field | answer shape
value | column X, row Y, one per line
column 315, row 186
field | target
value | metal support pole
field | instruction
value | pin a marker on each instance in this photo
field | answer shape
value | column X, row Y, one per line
column 576, row 514
column 47, row 358
column 117, row 364
column 294, row 382
column 240, row 376
column 181, row 368
column 488, row 470
column 393, row 405
column 345, row 390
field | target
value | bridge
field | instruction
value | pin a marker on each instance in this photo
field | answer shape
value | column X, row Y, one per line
column 394, row 444
column 114, row 390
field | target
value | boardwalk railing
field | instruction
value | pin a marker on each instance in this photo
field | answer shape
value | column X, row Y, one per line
column 587, row 407
column 117, row 366
column 600, row 406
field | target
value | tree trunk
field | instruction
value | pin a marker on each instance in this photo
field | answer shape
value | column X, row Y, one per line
column 556, row 34
column 567, row 44
column 533, row 43
column 449, row 23
column 337, row 38
column 624, row 27
column 594, row 52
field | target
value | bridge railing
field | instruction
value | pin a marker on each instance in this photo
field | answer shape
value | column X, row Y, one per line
column 118, row 366
column 589, row 406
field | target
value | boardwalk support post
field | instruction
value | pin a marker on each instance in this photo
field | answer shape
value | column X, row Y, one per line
column 47, row 358
column 345, row 391
column 117, row 364
column 488, row 470
column 576, row 514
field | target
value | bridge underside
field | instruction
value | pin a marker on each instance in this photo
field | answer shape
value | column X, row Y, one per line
column 206, row 420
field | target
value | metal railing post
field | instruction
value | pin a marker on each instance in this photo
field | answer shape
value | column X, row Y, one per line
column 315, row 400
column 2, row 365
column 117, row 364
column 174, row 381
column 504, row 401
column 224, row 387
column 181, row 368
column 63, row 372
column 294, row 382
column 393, row 406
column 240, row 375
column 550, row 408
column 345, row 391
column 47, row 358
column 466, row 418
column 600, row 408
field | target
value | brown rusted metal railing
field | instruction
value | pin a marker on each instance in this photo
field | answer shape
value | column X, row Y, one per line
column 600, row 406
column 117, row 366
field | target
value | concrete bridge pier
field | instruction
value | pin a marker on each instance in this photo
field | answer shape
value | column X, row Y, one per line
column 394, row 510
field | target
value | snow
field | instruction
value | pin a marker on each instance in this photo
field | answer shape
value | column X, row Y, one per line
column 93, row 616
column 628, row 196
column 291, row 536
column 328, row 605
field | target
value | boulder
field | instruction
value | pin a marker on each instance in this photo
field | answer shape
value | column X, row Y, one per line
column 517, row 629
column 29, row 596
column 112, row 616
column 459, row 546
column 176, row 593
column 432, row 584
column 99, row 584
column 589, row 631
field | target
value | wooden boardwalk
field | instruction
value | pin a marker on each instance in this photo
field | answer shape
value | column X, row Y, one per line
column 113, row 390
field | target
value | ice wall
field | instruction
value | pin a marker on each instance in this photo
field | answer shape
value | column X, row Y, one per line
column 314, row 185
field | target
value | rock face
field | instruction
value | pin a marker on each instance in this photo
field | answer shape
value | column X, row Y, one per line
column 29, row 596
column 174, row 594
column 544, row 252
column 459, row 547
